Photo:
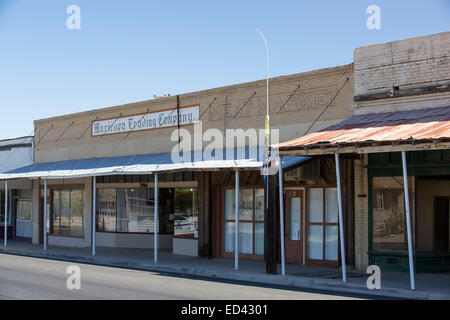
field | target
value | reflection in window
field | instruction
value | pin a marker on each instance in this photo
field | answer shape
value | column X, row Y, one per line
column 125, row 210
column 389, row 226
column 68, row 213
column 24, row 208
column 186, row 213
column 132, row 211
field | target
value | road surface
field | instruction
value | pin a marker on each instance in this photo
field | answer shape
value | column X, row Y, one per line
column 34, row 278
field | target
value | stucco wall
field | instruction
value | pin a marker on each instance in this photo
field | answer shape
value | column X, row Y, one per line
column 302, row 106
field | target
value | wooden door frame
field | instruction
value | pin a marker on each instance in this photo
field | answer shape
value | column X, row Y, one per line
column 323, row 262
column 302, row 219
column 222, row 220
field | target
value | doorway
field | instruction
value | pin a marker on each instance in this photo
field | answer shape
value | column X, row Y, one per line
column 441, row 224
column 293, row 226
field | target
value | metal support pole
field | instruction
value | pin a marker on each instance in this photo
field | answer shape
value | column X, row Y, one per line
column 280, row 177
column 341, row 220
column 45, row 215
column 94, row 209
column 155, row 240
column 236, row 227
column 6, row 213
column 408, row 221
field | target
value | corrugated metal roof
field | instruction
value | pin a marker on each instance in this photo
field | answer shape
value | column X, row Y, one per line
column 402, row 126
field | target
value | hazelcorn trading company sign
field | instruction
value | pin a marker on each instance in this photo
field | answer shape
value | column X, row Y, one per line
column 147, row 121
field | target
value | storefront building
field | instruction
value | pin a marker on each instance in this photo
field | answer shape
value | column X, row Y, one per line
column 16, row 153
column 399, row 138
column 109, row 161
column 96, row 174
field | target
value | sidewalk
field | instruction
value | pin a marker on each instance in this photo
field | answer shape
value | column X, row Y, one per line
column 394, row 284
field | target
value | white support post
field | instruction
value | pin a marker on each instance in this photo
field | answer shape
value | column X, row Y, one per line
column 341, row 220
column 155, row 239
column 45, row 215
column 6, row 214
column 236, row 227
column 280, row 177
column 408, row 222
column 94, row 209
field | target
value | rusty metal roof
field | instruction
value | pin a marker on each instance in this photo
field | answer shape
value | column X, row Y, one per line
column 414, row 126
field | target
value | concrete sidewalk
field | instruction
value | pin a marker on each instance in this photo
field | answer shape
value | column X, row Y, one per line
column 394, row 285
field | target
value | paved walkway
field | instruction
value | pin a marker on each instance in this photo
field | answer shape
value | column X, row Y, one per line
column 393, row 284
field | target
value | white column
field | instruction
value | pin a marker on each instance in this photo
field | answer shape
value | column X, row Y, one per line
column 236, row 227
column 280, row 177
column 6, row 214
column 408, row 221
column 155, row 236
column 94, row 209
column 45, row 215
column 341, row 220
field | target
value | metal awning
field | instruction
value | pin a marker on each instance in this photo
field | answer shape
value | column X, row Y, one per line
column 377, row 132
column 237, row 158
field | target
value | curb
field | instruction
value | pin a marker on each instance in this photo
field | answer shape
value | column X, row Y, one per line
column 287, row 281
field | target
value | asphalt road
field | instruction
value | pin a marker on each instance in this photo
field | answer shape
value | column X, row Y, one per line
column 33, row 278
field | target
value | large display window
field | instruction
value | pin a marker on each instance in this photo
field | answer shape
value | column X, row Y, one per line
column 322, row 225
column 388, row 213
column 129, row 210
column 67, row 215
column 251, row 221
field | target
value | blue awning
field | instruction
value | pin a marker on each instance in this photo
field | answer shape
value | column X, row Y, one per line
column 237, row 158
column 290, row 161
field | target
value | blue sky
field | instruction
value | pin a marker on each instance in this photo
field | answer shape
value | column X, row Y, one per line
column 130, row 50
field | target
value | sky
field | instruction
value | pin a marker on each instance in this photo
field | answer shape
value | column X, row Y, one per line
column 127, row 51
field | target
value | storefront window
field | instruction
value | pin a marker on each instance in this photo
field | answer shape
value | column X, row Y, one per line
column 2, row 207
column 322, row 224
column 132, row 211
column 125, row 210
column 186, row 213
column 251, row 221
column 388, row 222
column 68, row 213
column 24, row 208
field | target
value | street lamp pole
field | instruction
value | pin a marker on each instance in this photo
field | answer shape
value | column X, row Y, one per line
column 267, row 125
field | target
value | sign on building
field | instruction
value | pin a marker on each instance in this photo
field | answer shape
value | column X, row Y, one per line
column 146, row 121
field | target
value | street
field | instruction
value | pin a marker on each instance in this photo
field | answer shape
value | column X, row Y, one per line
column 33, row 278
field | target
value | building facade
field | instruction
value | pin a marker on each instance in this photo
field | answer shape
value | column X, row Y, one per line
column 196, row 206
column 95, row 173
column 401, row 106
column 16, row 153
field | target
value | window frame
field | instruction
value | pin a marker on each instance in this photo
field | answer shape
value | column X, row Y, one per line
column 253, row 255
column 50, row 203
column 324, row 224
column 18, row 207
column 115, row 187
